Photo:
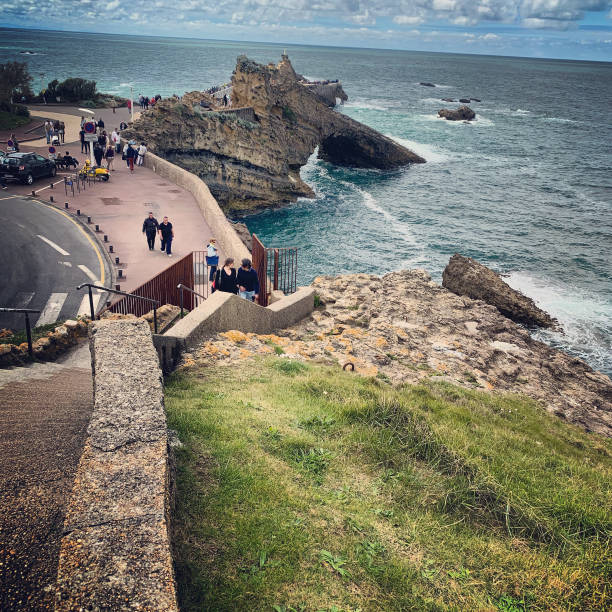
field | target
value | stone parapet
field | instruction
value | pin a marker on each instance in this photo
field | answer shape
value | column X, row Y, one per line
column 225, row 311
column 222, row 229
column 115, row 553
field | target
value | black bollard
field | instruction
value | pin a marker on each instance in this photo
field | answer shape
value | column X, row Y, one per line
column 110, row 248
column 117, row 260
column 97, row 228
column 88, row 219
column 120, row 273
column 105, row 238
column 51, row 199
column 33, row 193
column 117, row 287
column 51, row 186
column 78, row 212
column 65, row 204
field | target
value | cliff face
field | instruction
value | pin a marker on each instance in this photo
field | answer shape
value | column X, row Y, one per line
column 250, row 155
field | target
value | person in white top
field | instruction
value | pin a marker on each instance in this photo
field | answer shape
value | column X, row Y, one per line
column 142, row 149
column 116, row 140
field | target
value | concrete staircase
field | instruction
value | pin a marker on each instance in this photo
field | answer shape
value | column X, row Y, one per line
column 44, row 412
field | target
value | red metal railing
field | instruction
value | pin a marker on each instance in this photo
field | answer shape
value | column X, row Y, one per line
column 162, row 288
column 276, row 269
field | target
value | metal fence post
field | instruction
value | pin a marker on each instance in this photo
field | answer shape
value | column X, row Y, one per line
column 91, row 306
column 275, row 285
column 29, row 335
column 181, row 288
column 155, row 318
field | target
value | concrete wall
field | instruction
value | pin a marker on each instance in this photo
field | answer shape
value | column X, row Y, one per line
column 225, row 311
column 221, row 228
column 115, row 553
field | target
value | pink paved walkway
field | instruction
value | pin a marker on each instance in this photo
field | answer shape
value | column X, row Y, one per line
column 120, row 206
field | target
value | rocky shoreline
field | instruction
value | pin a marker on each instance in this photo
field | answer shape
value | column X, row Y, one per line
column 403, row 328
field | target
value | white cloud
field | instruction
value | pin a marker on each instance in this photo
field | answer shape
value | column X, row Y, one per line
column 407, row 20
column 490, row 36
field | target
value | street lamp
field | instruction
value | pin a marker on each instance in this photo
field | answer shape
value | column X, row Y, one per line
column 132, row 101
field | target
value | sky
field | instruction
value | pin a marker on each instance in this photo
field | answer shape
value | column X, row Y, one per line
column 568, row 29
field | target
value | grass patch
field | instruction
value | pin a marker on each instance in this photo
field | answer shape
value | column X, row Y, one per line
column 9, row 121
column 307, row 488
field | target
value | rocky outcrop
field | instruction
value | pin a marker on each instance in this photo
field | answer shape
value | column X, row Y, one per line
column 448, row 100
column 466, row 276
column 254, row 164
column 463, row 113
column 404, row 328
column 244, row 234
column 425, row 84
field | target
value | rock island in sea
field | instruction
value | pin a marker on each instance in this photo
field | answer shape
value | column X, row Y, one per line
column 250, row 154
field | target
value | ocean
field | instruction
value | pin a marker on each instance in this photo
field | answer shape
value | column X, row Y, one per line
column 525, row 189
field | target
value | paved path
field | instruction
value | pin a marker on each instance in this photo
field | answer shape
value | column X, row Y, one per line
column 44, row 412
column 46, row 254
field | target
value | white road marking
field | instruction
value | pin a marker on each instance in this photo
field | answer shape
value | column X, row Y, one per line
column 23, row 299
column 65, row 263
column 21, row 226
column 52, row 309
column 89, row 273
column 84, row 308
column 47, row 187
column 55, row 246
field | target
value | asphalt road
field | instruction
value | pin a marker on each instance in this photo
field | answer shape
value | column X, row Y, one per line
column 44, row 256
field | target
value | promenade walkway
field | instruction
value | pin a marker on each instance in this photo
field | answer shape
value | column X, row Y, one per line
column 44, row 412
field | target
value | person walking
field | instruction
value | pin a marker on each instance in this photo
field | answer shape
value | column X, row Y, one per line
column 150, row 227
column 142, row 149
column 116, row 140
column 110, row 157
column 98, row 152
column 212, row 258
column 62, row 131
column 166, row 233
column 83, row 143
column 248, row 283
column 48, row 131
column 102, row 139
column 225, row 278
column 130, row 154
column 100, row 124
column 15, row 143
column 83, row 121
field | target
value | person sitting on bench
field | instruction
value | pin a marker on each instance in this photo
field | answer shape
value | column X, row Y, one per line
column 69, row 160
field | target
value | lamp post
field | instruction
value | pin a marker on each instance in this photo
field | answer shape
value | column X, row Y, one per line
column 132, row 101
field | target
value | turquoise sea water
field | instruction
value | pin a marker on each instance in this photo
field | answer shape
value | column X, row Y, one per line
column 525, row 189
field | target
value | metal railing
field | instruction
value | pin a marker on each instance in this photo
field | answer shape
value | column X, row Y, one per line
column 195, row 295
column 26, row 312
column 276, row 269
column 139, row 299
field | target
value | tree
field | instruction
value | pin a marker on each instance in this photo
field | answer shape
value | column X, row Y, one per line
column 74, row 90
column 15, row 82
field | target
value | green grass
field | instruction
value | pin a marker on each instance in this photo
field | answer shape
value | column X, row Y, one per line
column 301, row 487
column 9, row 121
column 17, row 337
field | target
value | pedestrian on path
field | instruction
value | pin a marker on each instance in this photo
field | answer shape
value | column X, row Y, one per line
column 130, row 154
column 83, row 121
column 116, row 140
column 84, row 143
column 62, row 131
column 225, row 278
column 142, row 149
column 248, row 283
column 110, row 157
column 212, row 258
column 166, row 233
column 15, row 143
column 98, row 152
column 48, row 131
column 150, row 227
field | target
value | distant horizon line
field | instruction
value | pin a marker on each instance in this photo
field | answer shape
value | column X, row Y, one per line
column 289, row 44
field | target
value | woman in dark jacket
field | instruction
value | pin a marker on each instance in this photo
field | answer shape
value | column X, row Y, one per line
column 225, row 278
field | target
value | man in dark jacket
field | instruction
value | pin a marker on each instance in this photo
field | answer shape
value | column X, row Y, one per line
column 166, row 233
column 150, row 227
column 248, row 283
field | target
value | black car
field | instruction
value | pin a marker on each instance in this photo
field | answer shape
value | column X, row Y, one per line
column 26, row 167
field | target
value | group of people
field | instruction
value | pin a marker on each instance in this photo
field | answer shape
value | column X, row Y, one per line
column 243, row 282
column 145, row 101
column 55, row 131
column 152, row 228
column 132, row 155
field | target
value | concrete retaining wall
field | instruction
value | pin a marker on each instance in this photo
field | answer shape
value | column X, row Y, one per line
column 225, row 311
column 115, row 553
column 221, row 228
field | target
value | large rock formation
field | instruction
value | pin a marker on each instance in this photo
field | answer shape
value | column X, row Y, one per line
column 250, row 155
column 465, row 276
column 463, row 113
column 404, row 328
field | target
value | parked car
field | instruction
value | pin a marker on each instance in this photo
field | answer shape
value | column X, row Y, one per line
column 26, row 167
